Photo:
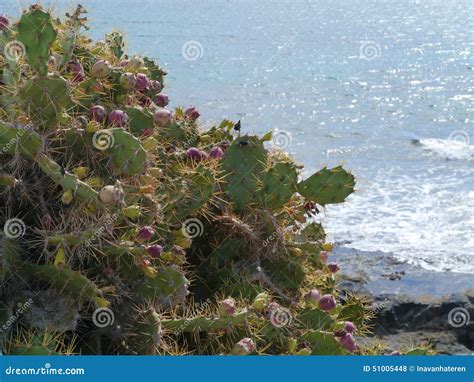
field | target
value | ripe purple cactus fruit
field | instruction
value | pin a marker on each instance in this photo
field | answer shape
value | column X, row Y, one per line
column 224, row 145
column 161, row 100
column 124, row 62
column 77, row 70
column 128, row 81
column 227, row 307
column 348, row 342
column 313, row 297
column 349, row 327
column 4, row 22
column 118, row 118
column 243, row 347
column 155, row 85
column 162, row 117
column 327, row 302
column 333, row 267
column 216, row 153
column 145, row 233
column 195, row 154
column 143, row 83
column 101, row 69
column 154, row 250
column 98, row 113
column 192, row 113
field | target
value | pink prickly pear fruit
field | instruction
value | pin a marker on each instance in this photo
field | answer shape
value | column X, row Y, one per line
column 348, row 342
column 224, row 145
column 323, row 256
column 128, row 81
column 162, row 117
column 98, row 113
column 161, row 100
column 313, row 297
column 155, row 85
column 143, row 83
column 77, row 70
column 118, row 118
column 333, row 267
column 192, row 113
column 327, row 302
column 124, row 62
column 101, row 69
column 243, row 347
column 195, row 154
column 349, row 327
column 227, row 307
column 216, row 153
column 4, row 22
column 395, row 352
column 145, row 233
column 154, row 250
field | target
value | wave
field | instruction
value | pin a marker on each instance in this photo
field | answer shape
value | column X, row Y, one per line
column 449, row 149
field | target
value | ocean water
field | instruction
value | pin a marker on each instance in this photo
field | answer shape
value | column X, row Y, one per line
column 385, row 87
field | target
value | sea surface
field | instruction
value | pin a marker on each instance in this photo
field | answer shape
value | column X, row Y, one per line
column 384, row 87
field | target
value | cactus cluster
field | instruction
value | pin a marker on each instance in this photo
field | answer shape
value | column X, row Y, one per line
column 139, row 233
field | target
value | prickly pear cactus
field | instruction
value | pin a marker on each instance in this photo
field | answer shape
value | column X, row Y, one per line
column 163, row 238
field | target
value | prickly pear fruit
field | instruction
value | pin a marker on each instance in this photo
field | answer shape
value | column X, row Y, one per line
column 98, row 113
column 349, row 327
column 161, row 100
column 243, row 347
column 195, row 154
column 312, row 297
column 227, row 307
column 260, row 302
column 192, row 113
column 162, row 117
column 143, row 83
column 333, row 267
column 111, row 195
column 101, row 69
column 128, row 81
column 4, row 22
column 216, row 153
column 145, row 233
column 136, row 62
column 131, row 212
column 327, row 302
column 118, row 118
column 348, row 342
column 67, row 197
column 154, row 250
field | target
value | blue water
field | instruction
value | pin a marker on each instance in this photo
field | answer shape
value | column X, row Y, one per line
column 385, row 87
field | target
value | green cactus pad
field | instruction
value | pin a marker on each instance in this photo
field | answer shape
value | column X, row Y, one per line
column 328, row 186
column 44, row 99
column 243, row 164
column 323, row 343
column 128, row 156
column 278, row 185
column 139, row 119
column 36, row 32
column 21, row 138
column 315, row 319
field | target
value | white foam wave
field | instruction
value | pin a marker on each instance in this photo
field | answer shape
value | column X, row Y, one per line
column 448, row 148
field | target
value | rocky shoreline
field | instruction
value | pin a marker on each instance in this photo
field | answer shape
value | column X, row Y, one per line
column 411, row 305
